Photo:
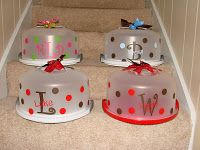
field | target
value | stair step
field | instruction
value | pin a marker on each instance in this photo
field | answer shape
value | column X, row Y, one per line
column 125, row 4
column 94, row 131
column 97, row 73
column 93, row 20
column 91, row 44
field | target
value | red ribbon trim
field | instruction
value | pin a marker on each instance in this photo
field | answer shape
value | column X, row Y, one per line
column 54, row 64
column 139, row 67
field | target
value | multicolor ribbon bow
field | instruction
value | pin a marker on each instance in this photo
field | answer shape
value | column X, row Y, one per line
column 48, row 23
column 54, row 64
column 137, row 24
column 138, row 67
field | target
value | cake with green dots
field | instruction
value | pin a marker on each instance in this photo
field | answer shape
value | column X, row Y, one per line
column 40, row 45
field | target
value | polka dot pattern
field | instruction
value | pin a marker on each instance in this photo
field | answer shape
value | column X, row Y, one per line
column 28, row 92
column 62, row 111
column 26, row 40
column 30, row 110
column 113, row 55
column 117, row 93
column 68, row 97
column 112, row 39
column 75, row 51
column 122, row 45
column 171, row 111
column 69, row 44
column 131, row 110
column 22, row 101
column 119, row 111
column 20, row 86
column 144, row 40
column 174, row 96
column 151, row 55
column 55, row 90
column 124, row 60
column 80, row 104
column 131, row 92
column 82, row 89
column 164, row 91
column 161, row 111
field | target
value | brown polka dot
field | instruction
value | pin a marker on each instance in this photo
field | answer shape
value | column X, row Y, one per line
column 164, row 91
column 80, row 104
column 117, row 93
column 151, row 55
column 124, row 60
column 174, row 96
column 22, row 100
column 20, row 86
column 112, row 39
column 55, row 90
column 145, row 40
column 171, row 111
column 113, row 55
column 119, row 111
column 88, row 102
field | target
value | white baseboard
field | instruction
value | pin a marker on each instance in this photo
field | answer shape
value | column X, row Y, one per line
column 13, row 47
column 185, row 98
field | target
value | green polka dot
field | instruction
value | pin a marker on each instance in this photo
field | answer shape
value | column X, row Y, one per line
column 75, row 38
column 58, row 39
column 67, row 56
column 36, row 39
column 33, row 56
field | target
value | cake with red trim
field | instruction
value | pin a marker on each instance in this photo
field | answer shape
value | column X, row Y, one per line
column 53, row 94
column 48, row 41
column 140, row 94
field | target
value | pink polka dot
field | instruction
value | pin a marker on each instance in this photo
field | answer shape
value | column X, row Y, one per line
column 108, row 84
column 30, row 110
column 26, row 40
column 75, row 52
column 68, row 97
column 62, row 110
column 131, row 92
column 161, row 111
column 69, row 44
column 131, row 110
column 28, row 92
column 108, row 102
column 82, row 89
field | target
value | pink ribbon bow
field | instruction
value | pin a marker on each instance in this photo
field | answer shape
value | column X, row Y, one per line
column 48, row 23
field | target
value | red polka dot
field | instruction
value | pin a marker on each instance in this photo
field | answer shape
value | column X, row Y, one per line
column 108, row 102
column 161, row 111
column 75, row 52
column 108, row 84
column 69, row 44
column 131, row 110
column 30, row 110
column 68, row 97
column 131, row 92
column 28, row 92
column 62, row 110
column 82, row 89
column 26, row 40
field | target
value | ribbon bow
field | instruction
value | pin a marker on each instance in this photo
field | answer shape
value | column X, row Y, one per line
column 54, row 64
column 138, row 67
column 48, row 23
column 137, row 24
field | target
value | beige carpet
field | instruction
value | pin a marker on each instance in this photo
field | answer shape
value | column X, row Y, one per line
column 94, row 131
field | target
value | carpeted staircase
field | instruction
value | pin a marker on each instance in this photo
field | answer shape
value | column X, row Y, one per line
column 91, row 19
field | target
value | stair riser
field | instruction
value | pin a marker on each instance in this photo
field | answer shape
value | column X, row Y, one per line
column 125, row 4
column 92, row 20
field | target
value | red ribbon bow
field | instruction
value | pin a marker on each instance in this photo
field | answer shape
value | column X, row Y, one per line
column 48, row 23
column 54, row 64
column 139, row 67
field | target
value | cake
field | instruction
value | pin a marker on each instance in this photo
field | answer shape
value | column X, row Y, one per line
column 140, row 94
column 123, row 44
column 53, row 95
column 41, row 44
